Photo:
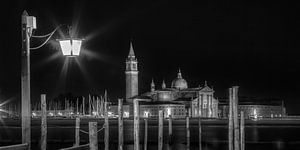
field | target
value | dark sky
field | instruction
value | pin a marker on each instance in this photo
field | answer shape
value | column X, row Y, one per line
column 254, row 45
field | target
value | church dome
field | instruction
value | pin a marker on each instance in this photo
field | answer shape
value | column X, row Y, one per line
column 179, row 82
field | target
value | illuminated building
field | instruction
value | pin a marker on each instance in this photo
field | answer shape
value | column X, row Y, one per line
column 179, row 99
column 175, row 100
column 255, row 109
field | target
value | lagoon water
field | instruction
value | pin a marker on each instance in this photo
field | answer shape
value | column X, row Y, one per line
column 259, row 135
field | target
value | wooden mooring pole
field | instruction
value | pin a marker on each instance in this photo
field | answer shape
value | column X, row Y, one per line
column 93, row 136
column 44, row 122
column 160, row 129
column 77, row 129
column 199, row 121
column 188, row 129
column 170, row 130
column 120, row 113
column 136, row 124
column 106, row 126
column 242, row 131
column 146, row 134
column 236, row 118
column 230, row 123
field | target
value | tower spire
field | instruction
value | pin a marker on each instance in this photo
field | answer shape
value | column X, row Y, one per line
column 131, row 52
column 163, row 85
column 152, row 86
column 179, row 74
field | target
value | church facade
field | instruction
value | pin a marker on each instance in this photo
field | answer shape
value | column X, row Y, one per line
column 177, row 100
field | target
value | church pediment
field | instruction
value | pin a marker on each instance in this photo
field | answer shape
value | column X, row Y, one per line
column 206, row 89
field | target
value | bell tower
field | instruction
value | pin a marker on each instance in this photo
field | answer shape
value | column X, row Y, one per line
column 131, row 73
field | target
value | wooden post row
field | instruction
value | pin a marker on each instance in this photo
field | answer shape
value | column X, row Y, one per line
column 120, row 113
column 160, row 129
column 230, row 123
column 242, row 131
column 170, row 130
column 44, row 122
column 93, row 136
column 188, row 129
column 235, row 118
column 106, row 123
column 199, row 121
column 77, row 129
column 146, row 134
column 136, row 128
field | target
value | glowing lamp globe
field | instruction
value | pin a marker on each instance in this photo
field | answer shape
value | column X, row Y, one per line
column 70, row 47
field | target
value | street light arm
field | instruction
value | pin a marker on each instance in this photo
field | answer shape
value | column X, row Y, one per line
column 42, row 36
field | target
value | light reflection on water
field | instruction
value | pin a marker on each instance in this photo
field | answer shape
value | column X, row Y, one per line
column 259, row 136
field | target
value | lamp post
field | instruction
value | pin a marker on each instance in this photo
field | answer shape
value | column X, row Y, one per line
column 28, row 24
column 69, row 47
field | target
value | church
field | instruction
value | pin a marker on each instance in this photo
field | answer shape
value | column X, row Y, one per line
column 177, row 100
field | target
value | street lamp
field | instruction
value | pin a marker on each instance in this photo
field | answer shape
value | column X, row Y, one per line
column 69, row 47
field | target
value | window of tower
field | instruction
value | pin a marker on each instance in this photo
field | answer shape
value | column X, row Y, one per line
column 134, row 66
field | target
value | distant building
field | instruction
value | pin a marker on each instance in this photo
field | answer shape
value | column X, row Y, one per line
column 176, row 100
column 254, row 109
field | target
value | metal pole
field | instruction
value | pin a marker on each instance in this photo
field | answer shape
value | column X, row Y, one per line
column 44, row 122
column 160, row 129
column 120, row 113
column 235, row 118
column 77, row 135
column 136, row 123
column 230, row 124
column 93, row 136
column 25, row 81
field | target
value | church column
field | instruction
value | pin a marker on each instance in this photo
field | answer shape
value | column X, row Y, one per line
column 202, row 112
column 210, row 106
column 205, row 108
column 199, row 106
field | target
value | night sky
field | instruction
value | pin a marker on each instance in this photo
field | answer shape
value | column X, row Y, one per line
column 254, row 45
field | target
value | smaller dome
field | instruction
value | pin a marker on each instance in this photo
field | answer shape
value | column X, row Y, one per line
column 179, row 82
